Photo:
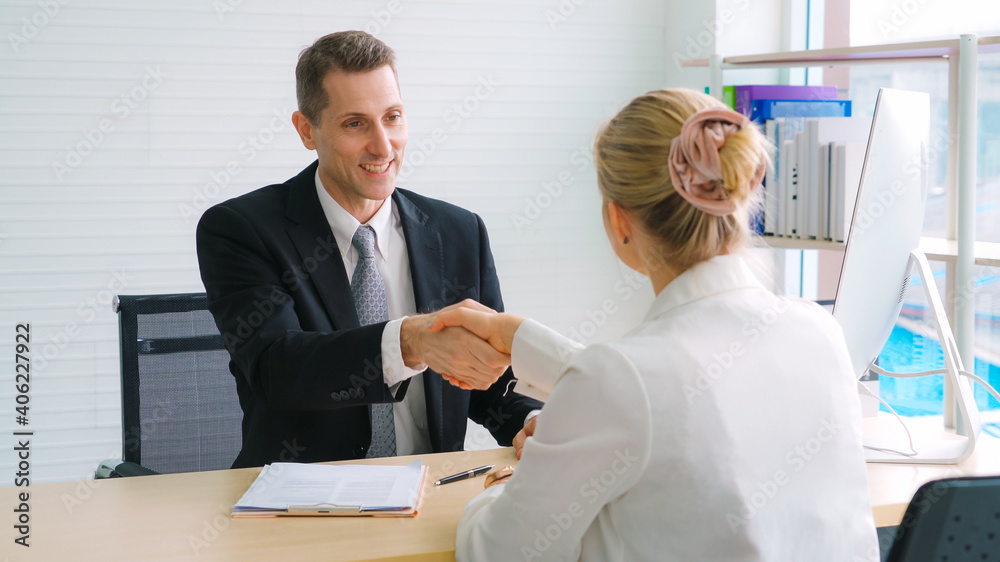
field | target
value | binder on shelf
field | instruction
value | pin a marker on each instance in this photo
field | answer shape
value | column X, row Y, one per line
column 762, row 110
column 788, row 178
column 847, row 160
column 779, row 190
column 729, row 96
column 297, row 489
column 772, row 193
column 746, row 95
column 823, row 169
column 823, row 131
column 802, row 192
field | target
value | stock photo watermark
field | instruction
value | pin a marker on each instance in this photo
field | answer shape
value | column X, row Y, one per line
column 32, row 25
column 562, row 12
column 626, row 287
column 121, row 108
column 703, row 44
column 220, row 179
column 796, row 459
column 87, row 309
column 582, row 158
column 899, row 16
column 223, row 7
column 723, row 359
column 382, row 18
column 591, row 491
column 418, row 152
column 212, row 528
column 22, row 478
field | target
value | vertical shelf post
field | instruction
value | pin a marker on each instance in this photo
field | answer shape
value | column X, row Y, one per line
column 965, row 303
column 715, row 76
column 951, row 219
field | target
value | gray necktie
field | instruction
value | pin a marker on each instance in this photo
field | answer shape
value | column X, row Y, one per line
column 368, row 291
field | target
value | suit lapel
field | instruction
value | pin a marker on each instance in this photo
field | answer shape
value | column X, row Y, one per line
column 426, row 253
column 317, row 247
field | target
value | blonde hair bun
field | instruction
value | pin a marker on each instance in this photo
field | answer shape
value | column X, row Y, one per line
column 632, row 155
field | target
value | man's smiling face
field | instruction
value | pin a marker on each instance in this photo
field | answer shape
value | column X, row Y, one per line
column 359, row 138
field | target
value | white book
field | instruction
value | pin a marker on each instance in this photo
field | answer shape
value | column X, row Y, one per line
column 850, row 158
column 771, row 192
column 823, row 192
column 836, row 189
column 788, row 182
column 824, row 130
column 786, row 129
column 802, row 194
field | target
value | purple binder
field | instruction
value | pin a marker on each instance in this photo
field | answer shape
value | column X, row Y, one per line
column 745, row 95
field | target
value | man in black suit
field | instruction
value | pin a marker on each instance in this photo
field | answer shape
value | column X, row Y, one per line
column 316, row 285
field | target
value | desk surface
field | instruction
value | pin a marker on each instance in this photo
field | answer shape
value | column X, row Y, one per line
column 184, row 516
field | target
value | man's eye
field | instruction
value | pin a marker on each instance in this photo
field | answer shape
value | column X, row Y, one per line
column 395, row 117
column 354, row 124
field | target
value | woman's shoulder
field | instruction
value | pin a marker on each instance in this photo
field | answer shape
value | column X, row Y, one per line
column 607, row 370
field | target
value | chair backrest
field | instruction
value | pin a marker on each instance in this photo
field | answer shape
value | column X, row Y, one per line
column 951, row 519
column 180, row 410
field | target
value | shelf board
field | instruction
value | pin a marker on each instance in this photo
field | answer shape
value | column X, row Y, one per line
column 802, row 244
column 920, row 50
column 939, row 249
column 936, row 249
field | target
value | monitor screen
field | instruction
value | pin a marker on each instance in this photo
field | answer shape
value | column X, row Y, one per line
column 888, row 220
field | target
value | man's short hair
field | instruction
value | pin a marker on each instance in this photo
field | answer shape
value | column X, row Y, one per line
column 344, row 51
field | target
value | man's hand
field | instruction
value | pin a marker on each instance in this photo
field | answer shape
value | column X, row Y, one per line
column 527, row 431
column 461, row 357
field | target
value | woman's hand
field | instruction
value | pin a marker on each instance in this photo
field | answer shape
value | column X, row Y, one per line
column 495, row 328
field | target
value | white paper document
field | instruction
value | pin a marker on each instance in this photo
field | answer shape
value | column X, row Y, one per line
column 316, row 489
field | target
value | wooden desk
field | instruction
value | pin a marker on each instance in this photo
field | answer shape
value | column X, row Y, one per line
column 186, row 516
column 893, row 485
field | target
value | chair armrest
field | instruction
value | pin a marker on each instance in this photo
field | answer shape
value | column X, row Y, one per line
column 116, row 468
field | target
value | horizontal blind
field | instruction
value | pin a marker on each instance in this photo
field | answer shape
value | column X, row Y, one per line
column 121, row 122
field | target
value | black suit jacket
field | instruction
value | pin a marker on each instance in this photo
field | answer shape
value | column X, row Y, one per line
column 305, row 371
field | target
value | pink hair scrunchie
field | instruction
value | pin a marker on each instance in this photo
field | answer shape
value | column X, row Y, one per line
column 695, row 166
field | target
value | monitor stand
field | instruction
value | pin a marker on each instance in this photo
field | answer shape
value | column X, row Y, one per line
column 943, row 451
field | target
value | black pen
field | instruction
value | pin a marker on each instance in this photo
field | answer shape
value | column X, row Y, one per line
column 464, row 475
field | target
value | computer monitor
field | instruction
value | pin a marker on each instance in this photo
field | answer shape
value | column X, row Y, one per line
column 882, row 250
column 887, row 223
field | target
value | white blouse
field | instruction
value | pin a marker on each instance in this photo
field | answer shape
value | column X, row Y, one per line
column 725, row 427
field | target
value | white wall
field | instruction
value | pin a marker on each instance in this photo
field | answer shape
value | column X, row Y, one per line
column 185, row 89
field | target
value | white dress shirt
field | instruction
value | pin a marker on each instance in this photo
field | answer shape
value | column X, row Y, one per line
column 724, row 427
column 393, row 262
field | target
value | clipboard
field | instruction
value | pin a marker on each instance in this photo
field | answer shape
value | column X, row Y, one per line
column 324, row 509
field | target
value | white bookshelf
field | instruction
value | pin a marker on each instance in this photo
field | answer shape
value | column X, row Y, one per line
column 959, row 249
column 936, row 249
column 921, row 51
column 802, row 243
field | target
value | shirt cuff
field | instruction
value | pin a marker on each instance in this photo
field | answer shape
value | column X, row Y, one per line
column 539, row 356
column 394, row 371
column 530, row 415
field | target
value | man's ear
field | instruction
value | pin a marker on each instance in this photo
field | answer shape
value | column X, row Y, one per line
column 305, row 129
column 621, row 222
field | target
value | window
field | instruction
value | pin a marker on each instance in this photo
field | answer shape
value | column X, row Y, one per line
column 913, row 345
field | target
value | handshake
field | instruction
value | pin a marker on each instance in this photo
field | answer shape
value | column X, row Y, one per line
column 467, row 343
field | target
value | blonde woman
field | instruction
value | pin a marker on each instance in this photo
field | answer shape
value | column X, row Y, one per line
column 726, row 426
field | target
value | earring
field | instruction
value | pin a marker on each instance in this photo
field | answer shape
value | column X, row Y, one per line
column 625, row 241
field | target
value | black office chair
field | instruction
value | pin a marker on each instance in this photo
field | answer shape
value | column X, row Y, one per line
column 953, row 520
column 180, row 410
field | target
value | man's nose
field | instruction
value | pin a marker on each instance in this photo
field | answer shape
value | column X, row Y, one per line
column 379, row 144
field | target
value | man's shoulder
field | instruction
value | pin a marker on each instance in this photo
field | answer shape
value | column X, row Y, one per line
column 434, row 208
column 264, row 201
